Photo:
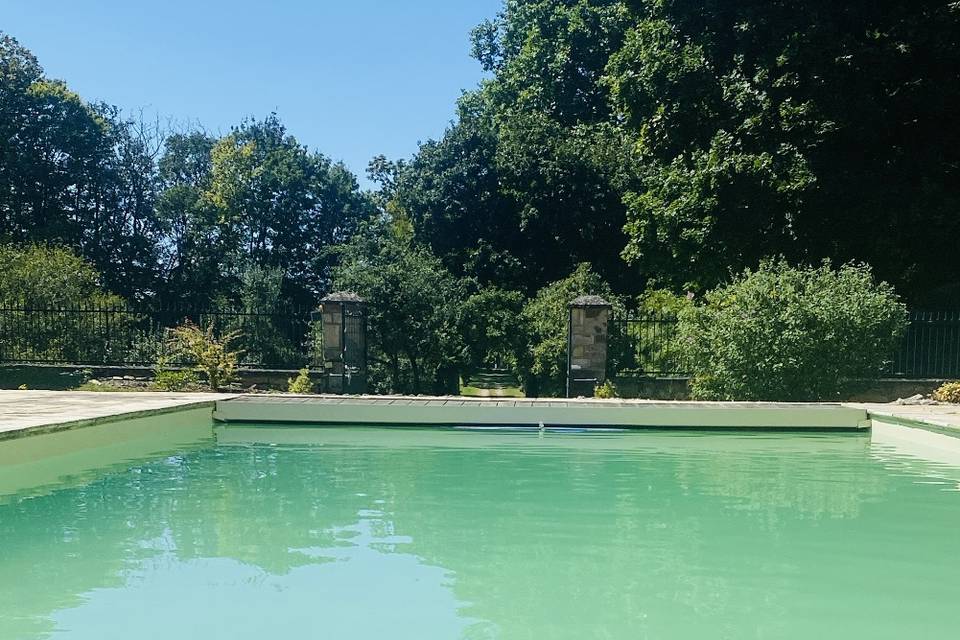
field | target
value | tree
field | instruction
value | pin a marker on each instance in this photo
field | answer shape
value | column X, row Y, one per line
column 279, row 205
column 192, row 256
column 74, row 174
column 451, row 192
column 412, row 301
column 525, row 184
column 784, row 333
column 491, row 329
column 543, row 370
column 812, row 129
column 38, row 280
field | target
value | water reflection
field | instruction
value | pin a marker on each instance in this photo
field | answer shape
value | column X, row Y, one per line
column 367, row 533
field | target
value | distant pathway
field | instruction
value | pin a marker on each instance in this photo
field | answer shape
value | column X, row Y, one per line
column 494, row 384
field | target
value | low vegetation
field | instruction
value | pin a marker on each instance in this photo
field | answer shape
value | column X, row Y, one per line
column 948, row 392
column 606, row 390
column 209, row 354
column 784, row 333
column 302, row 384
column 542, row 368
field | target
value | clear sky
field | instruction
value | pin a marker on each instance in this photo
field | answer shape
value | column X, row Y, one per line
column 350, row 78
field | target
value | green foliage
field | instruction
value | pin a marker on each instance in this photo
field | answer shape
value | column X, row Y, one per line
column 745, row 116
column 606, row 390
column 653, row 340
column 211, row 355
column 260, row 296
column 948, row 392
column 492, row 330
column 46, row 277
column 75, row 174
column 784, row 333
column 166, row 378
column 170, row 380
column 542, row 369
column 273, row 204
column 301, row 384
column 40, row 276
column 695, row 138
column 413, row 301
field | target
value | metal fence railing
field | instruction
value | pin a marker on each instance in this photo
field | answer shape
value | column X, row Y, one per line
column 642, row 345
column 930, row 347
column 130, row 336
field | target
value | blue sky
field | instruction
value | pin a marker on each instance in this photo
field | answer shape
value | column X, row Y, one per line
column 351, row 78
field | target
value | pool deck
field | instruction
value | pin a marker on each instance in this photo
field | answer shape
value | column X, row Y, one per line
column 942, row 418
column 28, row 412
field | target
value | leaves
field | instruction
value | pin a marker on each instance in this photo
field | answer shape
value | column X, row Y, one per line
column 784, row 333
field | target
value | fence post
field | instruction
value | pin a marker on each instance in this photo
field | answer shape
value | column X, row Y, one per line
column 344, row 343
column 587, row 332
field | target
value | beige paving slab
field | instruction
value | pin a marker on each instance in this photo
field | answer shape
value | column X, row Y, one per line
column 945, row 417
column 25, row 412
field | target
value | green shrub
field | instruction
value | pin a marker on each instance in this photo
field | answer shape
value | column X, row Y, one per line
column 948, row 392
column 543, row 368
column 653, row 344
column 783, row 333
column 39, row 276
column 209, row 354
column 491, row 329
column 302, row 383
column 605, row 390
column 166, row 379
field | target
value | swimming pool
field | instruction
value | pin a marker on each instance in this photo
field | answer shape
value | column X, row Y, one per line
column 173, row 527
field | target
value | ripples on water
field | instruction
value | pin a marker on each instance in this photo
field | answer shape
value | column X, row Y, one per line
column 368, row 533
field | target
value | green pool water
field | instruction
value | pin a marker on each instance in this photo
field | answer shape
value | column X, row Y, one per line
column 171, row 528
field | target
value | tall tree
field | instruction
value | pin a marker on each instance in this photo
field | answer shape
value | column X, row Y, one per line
column 413, row 303
column 811, row 129
column 279, row 205
column 74, row 173
column 193, row 249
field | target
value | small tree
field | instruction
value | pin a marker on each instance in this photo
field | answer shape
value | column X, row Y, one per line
column 491, row 328
column 260, row 296
column 413, row 302
column 543, row 368
column 784, row 333
column 210, row 355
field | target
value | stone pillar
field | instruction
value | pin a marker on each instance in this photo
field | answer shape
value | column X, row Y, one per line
column 344, row 334
column 587, row 345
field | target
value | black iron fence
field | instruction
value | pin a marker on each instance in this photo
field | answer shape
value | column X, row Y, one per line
column 642, row 345
column 130, row 336
column 930, row 348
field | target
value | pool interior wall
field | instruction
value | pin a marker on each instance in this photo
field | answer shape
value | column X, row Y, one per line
column 440, row 411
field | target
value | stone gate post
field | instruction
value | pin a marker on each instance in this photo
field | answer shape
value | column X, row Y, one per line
column 344, row 319
column 587, row 331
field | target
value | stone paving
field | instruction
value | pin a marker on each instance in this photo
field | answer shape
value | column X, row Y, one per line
column 942, row 416
column 23, row 412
